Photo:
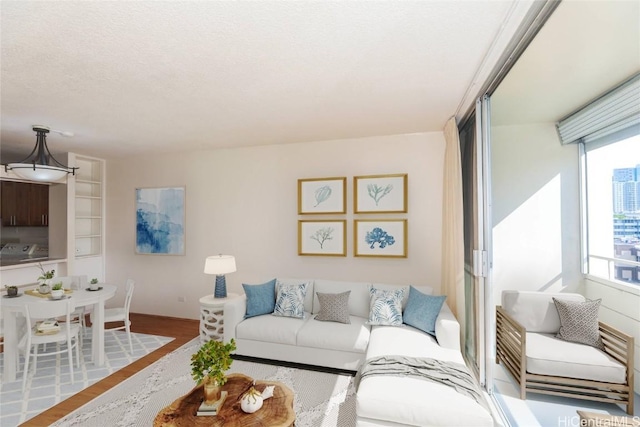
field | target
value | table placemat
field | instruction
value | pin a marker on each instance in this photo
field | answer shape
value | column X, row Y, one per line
column 35, row 293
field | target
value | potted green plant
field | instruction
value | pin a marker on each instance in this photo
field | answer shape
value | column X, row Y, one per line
column 209, row 366
column 93, row 284
column 12, row 291
column 45, row 279
column 56, row 290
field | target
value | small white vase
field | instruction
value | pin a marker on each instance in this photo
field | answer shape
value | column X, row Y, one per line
column 57, row 293
column 44, row 287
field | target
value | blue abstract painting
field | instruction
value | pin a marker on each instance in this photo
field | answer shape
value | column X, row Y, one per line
column 160, row 221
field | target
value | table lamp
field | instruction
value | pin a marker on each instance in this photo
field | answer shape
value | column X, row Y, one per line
column 220, row 265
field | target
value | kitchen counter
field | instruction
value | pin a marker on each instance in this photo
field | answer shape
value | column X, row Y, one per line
column 13, row 263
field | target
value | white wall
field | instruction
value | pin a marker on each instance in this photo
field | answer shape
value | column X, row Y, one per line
column 619, row 308
column 535, row 210
column 243, row 202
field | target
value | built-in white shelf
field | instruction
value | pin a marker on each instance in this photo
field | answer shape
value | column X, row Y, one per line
column 88, row 215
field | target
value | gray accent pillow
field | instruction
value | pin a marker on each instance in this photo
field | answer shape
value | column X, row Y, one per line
column 334, row 307
column 579, row 322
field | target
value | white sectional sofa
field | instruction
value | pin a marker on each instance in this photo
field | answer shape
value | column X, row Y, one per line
column 381, row 400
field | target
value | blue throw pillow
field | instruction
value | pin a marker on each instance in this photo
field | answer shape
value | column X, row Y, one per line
column 261, row 299
column 422, row 310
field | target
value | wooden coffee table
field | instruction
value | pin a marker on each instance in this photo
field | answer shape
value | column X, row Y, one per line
column 277, row 411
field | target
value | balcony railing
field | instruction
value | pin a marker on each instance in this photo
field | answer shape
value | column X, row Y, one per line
column 607, row 267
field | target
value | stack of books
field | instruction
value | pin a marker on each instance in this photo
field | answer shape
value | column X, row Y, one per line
column 214, row 408
column 47, row 327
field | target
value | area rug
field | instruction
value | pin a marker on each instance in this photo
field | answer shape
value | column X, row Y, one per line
column 320, row 399
column 51, row 383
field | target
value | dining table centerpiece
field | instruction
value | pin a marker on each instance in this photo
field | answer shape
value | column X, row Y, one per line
column 45, row 280
column 57, row 290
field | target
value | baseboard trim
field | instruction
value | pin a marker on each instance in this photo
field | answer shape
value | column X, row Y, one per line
column 296, row 365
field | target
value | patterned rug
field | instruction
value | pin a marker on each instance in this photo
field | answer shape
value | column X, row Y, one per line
column 321, row 399
column 51, row 382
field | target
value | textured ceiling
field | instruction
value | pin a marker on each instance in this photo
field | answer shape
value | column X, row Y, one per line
column 131, row 77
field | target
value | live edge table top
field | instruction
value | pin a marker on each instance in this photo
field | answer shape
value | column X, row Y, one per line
column 277, row 411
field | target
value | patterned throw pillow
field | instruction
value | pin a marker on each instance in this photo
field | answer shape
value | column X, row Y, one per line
column 422, row 310
column 290, row 300
column 261, row 299
column 385, row 307
column 334, row 307
column 579, row 322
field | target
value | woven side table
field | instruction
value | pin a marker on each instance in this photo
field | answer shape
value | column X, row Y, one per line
column 212, row 317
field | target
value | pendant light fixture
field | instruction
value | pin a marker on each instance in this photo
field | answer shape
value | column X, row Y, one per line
column 40, row 165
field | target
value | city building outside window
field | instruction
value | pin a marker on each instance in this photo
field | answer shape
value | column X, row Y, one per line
column 613, row 210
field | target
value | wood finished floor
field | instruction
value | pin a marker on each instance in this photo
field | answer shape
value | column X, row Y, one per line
column 183, row 330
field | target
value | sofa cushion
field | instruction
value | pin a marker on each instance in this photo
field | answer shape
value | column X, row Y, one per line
column 273, row 329
column 579, row 322
column 413, row 399
column 408, row 341
column 290, row 300
column 548, row 355
column 358, row 299
column 333, row 307
column 422, row 310
column 428, row 290
column 352, row 337
column 385, row 307
column 308, row 299
column 535, row 310
column 406, row 401
column 261, row 299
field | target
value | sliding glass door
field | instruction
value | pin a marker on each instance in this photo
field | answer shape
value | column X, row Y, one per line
column 475, row 179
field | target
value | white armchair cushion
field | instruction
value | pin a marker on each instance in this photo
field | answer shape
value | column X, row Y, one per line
column 548, row 355
column 535, row 310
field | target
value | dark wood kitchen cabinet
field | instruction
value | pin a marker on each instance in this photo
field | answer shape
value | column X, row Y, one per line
column 39, row 204
column 24, row 204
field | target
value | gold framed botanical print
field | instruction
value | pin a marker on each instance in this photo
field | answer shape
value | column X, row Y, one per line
column 322, row 196
column 380, row 193
column 380, row 238
column 322, row 237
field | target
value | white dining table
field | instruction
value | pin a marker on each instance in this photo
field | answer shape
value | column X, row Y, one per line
column 11, row 307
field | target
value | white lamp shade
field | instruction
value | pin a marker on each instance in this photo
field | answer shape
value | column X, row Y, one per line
column 220, row 264
column 39, row 173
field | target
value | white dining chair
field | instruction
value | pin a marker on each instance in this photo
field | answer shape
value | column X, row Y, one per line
column 68, row 334
column 78, row 315
column 121, row 314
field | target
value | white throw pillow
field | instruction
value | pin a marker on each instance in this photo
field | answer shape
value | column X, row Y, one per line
column 385, row 307
column 290, row 300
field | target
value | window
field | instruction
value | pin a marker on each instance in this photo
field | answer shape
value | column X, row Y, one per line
column 613, row 210
column 608, row 131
